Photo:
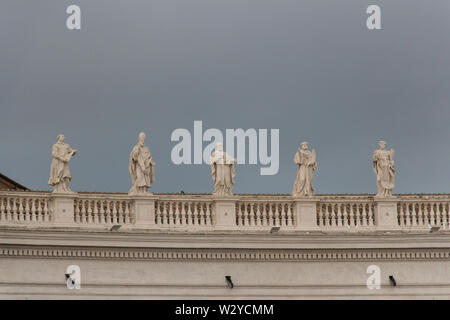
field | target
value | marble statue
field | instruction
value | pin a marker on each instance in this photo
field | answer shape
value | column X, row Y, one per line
column 383, row 166
column 306, row 162
column 222, row 171
column 141, row 167
column 60, row 175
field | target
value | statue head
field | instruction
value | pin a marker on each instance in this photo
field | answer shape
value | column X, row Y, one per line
column 304, row 145
column 219, row 146
column 382, row 144
column 142, row 137
column 60, row 138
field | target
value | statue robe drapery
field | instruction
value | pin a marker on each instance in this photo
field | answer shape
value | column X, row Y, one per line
column 59, row 169
column 141, row 167
column 383, row 166
column 222, row 172
column 306, row 161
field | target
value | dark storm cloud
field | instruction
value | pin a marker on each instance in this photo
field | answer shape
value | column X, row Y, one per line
column 309, row 68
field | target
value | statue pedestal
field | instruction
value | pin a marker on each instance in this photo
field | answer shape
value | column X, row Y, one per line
column 225, row 212
column 386, row 213
column 63, row 208
column 144, row 211
column 306, row 215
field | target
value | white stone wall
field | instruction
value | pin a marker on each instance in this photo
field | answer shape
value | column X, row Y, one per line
column 44, row 278
column 183, row 246
column 174, row 266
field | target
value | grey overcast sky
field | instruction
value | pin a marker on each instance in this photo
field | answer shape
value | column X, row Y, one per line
column 310, row 68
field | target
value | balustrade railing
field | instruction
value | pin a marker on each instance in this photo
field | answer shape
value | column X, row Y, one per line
column 186, row 212
column 265, row 213
column 28, row 207
column 103, row 210
column 423, row 213
column 343, row 213
column 240, row 212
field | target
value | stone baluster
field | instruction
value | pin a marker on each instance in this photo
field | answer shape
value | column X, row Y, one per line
column 32, row 210
column 446, row 214
column 2, row 209
column 179, row 208
column 416, row 214
column 40, row 214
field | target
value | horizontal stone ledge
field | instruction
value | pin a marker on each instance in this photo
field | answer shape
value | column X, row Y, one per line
column 186, row 194
column 226, row 255
column 205, row 254
column 232, row 230
column 222, row 241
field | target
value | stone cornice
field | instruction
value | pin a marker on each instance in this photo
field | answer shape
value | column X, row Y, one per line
column 243, row 196
column 214, row 240
column 269, row 255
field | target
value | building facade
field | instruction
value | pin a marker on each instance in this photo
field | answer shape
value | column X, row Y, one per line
column 9, row 184
column 182, row 246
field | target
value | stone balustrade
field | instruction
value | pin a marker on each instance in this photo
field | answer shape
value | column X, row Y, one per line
column 93, row 209
column 346, row 213
column 428, row 212
column 264, row 213
column 205, row 212
column 25, row 207
column 184, row 212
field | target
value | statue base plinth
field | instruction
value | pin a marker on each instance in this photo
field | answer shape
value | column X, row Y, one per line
column 386, row 213
column 57, row 192
column 140, row 195
column 225, row 211
column 305, row 213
